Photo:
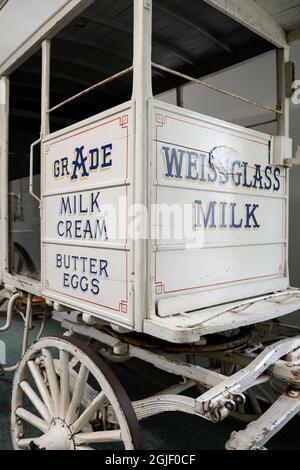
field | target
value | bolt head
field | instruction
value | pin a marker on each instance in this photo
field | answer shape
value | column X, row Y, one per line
column 230, row 405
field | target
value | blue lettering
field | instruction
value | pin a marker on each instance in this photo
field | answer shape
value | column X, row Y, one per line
column 236, row 175
column 94, row 202
column 58, row 261
column 207, row 219
column 103, row 268
column 233, row 222
column 192, row 165
column 245, row 183
column 223, row 209
column 276, row 186
column 60, row 233
column 258, row 177
column 251, row 215
column 56, row 168
column 95, row 287
column 65, row 206
column 79, row 164
column 94, row 157
column 93, row 266
column 172, row 160
column 64, row 166
column 106, row 154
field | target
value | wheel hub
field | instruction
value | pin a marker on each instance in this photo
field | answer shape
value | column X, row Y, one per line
column 59, row 437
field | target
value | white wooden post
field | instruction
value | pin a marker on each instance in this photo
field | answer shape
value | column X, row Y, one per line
column 283, row 126
column 45, row 91
column 283, row 56
column 4, row 135
column 142, row 92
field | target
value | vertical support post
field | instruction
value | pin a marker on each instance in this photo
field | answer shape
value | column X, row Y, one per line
column 45, row 89
column 283, row 56
column 142, row 92
column 283, row 128
column 4, row 136
column 45, row 130
column 179, row 96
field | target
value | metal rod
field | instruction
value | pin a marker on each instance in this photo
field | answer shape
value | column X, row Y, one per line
column 10, row 309
column 263, row 123
column 215, row 88
column 28, row 317
column 31, row 192
column 91, row 88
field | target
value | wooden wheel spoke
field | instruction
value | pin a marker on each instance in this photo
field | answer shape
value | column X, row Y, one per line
column 42, row 388
column 32, row 419
column 83, row 448
column 77, row 394
column 64, row 383
column 98, row 437
column 36, row 401
column 24, row 444
column 88, row 413
column 52, row 379
column 67, row 410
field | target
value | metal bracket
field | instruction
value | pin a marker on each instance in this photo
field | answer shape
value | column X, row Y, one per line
column 281, row 150
column 293, row 161
column 290, row 77
column 232, row 388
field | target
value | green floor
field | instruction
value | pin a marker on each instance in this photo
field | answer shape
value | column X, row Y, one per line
column 171, row 431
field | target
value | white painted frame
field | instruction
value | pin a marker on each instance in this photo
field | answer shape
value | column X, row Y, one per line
column 250, row 16
column 48, row 30
column 253, row 17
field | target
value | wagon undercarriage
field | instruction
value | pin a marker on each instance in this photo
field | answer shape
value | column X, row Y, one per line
column 258, row 366
column 250, row 374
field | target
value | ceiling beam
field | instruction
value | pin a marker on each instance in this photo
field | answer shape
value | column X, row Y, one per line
column 67, row 59
column 68, row 78
column 37, row 117
column 177, row 51
column 96, row 45
column 252, row 16
column 32, row 86
column 3, row 3
column 191, row 23
column 48, row 30
column 293, row 35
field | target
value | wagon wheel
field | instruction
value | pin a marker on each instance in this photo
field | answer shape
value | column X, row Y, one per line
column 56, row 406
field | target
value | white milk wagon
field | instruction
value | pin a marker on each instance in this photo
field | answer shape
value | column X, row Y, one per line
column 163, row 233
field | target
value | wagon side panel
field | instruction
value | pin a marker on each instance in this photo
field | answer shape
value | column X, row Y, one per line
column 87, row 190
column 220, row 211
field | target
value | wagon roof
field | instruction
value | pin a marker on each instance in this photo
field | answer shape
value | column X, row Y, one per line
column 190, row 36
